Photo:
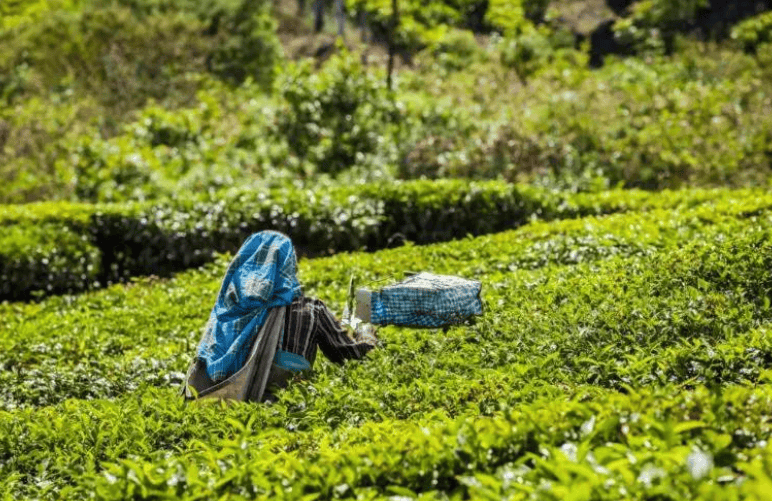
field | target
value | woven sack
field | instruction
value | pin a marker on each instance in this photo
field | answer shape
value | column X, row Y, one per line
column 422, row 300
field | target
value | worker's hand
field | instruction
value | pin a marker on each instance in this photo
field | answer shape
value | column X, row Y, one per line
column 366, row 333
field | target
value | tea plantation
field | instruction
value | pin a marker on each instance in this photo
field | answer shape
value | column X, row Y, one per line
column 619, row 356
column 602, row 167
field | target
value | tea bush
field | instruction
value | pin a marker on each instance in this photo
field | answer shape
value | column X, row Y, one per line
column 617, row 354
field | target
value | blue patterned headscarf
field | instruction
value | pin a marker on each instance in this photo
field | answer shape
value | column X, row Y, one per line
column 260, row 277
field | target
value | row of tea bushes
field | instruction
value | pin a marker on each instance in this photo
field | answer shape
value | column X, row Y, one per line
column 568, row 260
column 628, row 345
column 84, row 246
column 159, row 238
column 649, row 444
column 89, row 368
column 43, row 365
column 607, row 446
column 45, row 259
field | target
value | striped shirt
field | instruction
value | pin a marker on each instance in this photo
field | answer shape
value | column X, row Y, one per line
column 309, row 323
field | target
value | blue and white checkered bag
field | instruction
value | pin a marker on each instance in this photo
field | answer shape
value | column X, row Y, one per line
column 426, row 300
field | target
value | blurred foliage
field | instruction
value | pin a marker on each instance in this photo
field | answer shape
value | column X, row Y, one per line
column 701, row 118
column 423, row 24
column 754, row 33
column 133, row 50
column 76, row 72
column 455, row 51
column 533, row 49
column 651, row 25
column 662, row 125
column 206, row 104
column 334, row 117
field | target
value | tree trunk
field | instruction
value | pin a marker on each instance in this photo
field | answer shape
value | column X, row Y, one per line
column 392, row 42
column 318, row 15
column 340, row 15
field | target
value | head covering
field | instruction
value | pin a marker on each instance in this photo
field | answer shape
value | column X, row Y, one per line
column 260, row 277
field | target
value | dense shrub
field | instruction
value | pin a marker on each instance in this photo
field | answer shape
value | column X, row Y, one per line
column 506, row 17
column 241, row 34
column 158, row 155
column 425, row 24
column 334, row 117
column 456, row 50
column 419, row 23
column 246, row 44
column 754, row 32
column 652, row 24
column 144, row 50
column 502, row 152
column 34, row 139
column 112, row 46
column 71, row 70
column 666, row 127
column 534, row 49
column 222, row 141
column 692, row 120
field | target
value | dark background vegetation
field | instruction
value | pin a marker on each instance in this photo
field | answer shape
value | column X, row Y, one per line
column 120, row 100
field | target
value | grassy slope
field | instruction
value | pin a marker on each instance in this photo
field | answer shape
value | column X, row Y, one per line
column 611, row 350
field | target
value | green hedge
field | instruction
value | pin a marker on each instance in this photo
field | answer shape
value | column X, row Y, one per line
column 79, row 246
column 182, row 234
column 160, row 238
column 47, row 258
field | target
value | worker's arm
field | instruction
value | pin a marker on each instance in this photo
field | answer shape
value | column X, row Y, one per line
column 334, row 340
